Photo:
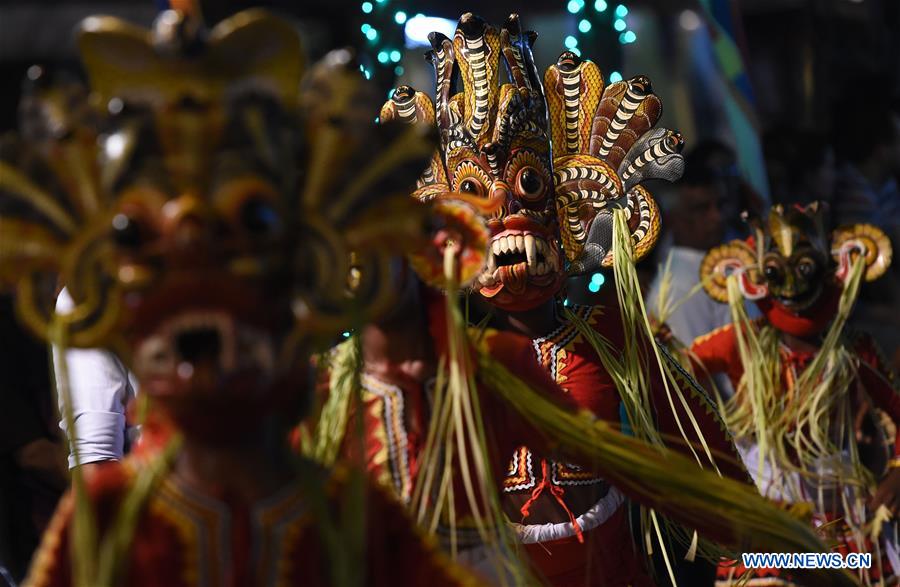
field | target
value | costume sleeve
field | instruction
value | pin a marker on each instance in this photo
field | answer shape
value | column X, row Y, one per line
column 717, row 352
column 879, row 381
column 100, row 387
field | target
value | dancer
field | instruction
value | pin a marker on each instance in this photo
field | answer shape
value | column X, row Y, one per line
column 803, row 382
column 496, row 156
column 206, row 238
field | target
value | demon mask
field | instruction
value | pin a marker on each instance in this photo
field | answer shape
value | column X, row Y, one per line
column 209, row 227
column 792, row 268
column 496, row 155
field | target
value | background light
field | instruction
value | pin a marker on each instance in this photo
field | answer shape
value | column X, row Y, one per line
column 584, row 26
column 418, row 27
column 365, row 27
column 573, row 6
column 400, row 17
column 383, row 57
column 597, row 281
column 371, row 34
column 615, row 77
column 576, row 51
column 367, row 7
column 571, row 42
column 600, row 5
column 689, row 20
column 629, row 36
column 621, row 11
column 395, row 56
column 398, row 70
column 619, row 25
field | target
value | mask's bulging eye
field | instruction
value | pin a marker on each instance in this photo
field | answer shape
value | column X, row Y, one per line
column 126, row 231
column 772, row 273
column 530, row 183
column 470, row 186
column 258, row 216
column 806, row 268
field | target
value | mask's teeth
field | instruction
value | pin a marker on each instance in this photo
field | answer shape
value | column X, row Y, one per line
column 491, row 261
column 504, row 245
column 495, row 247
column 530, row 249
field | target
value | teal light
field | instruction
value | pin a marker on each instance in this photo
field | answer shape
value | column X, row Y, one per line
column 600, row 5
column 371, row 34
column 619, row 25
column 597, row 281
column 367, row 7
column 615, row 77
column 381, row 1
column 576, row 51
column 398, row 70
column 584, row 26
column 621, row 10
column 566, row 302
column 346, row 334
column 383, row 57
column 571, row 42
column 395, row 56
column 400, row 17
column 629, row 37
column 365, row 28
column 574, row 6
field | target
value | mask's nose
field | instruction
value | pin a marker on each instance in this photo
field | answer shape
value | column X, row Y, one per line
column 187, row 226
column 500, row 197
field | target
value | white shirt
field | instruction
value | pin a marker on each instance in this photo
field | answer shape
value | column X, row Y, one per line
column 698, row 314
column 100, row 387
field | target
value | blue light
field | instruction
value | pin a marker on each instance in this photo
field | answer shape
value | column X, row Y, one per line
column 574, row 6
column 365, row 27
column 371, row 34
column 621, row 11
column 367, row 7
column 395, row 56
column 600, row 5
column 629, row 37
column 576, row 51
column 615, row 77
column 383, row 57
column 594, row 287
column 584, row 26
column 398, row 70
column 400, row 17
column 598, row 278
column 571, row 42
column 418, row 27
column 619, row 25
